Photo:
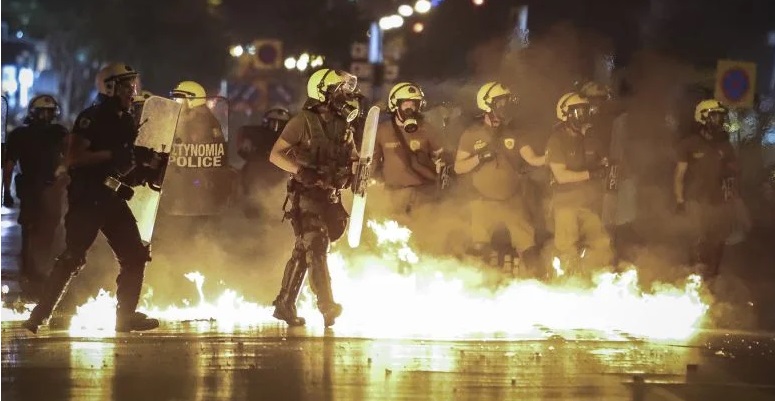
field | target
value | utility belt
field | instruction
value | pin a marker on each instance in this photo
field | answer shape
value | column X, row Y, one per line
column 296, row 190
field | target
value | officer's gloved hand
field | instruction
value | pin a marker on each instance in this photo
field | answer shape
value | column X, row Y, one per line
column 680, row 208
column 308, row 176
column 485, row 154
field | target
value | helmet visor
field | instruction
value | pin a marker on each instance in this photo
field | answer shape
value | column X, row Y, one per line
column 348, row 85
column 580, row 114
column 504, row 106
column 717, row 118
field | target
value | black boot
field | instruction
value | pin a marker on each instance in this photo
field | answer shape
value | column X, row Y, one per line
column 293, row 277
column 54, row 287
column 135, row 321
column 531, row 260
column 320, row 281
column 128, row 286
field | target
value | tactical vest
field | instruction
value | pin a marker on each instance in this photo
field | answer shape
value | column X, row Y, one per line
column 326, row 150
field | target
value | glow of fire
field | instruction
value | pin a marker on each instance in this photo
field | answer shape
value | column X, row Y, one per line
column 440, row 299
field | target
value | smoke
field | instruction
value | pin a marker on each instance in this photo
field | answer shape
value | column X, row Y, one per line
column 249, row 254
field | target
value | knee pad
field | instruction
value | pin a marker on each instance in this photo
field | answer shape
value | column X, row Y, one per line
column 318, row 243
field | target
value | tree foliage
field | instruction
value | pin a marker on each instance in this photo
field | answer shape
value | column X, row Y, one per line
column 167, row 41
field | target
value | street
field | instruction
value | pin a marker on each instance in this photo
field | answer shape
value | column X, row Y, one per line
column 192, row 361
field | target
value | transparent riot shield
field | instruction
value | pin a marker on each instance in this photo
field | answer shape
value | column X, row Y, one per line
column 158, row 124
column 4, row 122
column 6, row 189
column 200, row 181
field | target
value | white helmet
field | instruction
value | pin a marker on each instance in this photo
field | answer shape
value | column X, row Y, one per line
column 111, row 74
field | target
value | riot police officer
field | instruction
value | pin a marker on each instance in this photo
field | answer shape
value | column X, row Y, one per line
column 199, row 180
column 317, row 148
column 408, row 151
column 705, row 184
column 489, row 152
column 577, row 163
column 100, row 153
column 37, row 147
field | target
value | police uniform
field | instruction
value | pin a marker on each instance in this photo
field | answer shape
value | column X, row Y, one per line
column 577, row 205
column 93, row 207
column 37, row 148
column 315, row 211
column 498, row 185
column 408, row 170
column 709, row 194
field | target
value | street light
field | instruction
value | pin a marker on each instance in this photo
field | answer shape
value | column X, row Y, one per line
column 418, row 27
column 290, row 63
column 390, row 22
column 317, row 61
column 422, row 6
column 405, row 10
column 478, row 2
column 397, row 20
column 236, row 51
column 385, row 23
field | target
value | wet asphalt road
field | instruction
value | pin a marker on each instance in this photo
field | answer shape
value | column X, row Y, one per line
column 192, row 361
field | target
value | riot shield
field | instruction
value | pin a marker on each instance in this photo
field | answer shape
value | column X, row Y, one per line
column 200, row 181
column 4, row 122
column 158, row 123
column 6, row 188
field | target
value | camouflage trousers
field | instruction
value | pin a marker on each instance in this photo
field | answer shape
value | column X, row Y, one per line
column 317, row 218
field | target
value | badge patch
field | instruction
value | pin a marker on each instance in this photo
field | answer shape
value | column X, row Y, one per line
column 508, row 143
column 479, row 144
column 414, row 145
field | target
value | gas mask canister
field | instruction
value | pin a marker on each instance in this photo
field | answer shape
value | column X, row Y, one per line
column 345, row 107
column 409, row 116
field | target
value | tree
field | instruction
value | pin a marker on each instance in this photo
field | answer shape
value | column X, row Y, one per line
column 167, row 41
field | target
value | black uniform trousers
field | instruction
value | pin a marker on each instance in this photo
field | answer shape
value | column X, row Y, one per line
column 85, row 218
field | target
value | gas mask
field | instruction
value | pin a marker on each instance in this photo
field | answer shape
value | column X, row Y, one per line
column 502, row 110
column 409, row 117
column 716, row 125
column 579, row 116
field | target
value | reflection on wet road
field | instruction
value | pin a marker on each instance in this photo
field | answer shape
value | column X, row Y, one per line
column 269, row 362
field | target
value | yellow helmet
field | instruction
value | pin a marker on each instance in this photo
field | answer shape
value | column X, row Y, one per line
column 192, row 91
column 568, row 102
column 142, row 97
column 706, row 107
column 42, row 102
column 109, row 75
column 488, row 92
column 405, row 91
column 324, row 81
column 594, row 89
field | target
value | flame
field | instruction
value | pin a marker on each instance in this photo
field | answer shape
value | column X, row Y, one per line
column 443, row 299
column 557, row 267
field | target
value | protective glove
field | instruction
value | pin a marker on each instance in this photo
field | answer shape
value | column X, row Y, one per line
column 485, row 154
